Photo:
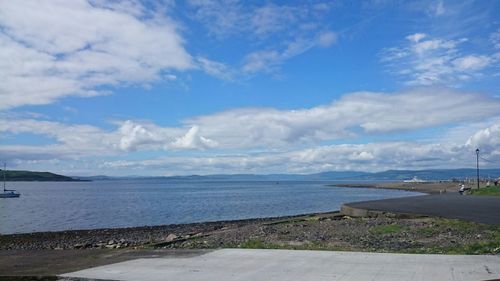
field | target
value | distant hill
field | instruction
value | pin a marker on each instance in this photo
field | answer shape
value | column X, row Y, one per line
column 12, row 175
column 435, row 174
column 431, row 175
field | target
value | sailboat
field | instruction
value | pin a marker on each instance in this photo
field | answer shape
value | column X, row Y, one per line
column 7, row 193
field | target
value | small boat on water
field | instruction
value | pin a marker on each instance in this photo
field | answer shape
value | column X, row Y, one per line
column 7, row 193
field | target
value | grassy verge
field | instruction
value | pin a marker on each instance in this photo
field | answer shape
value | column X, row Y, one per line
column 422, row 235
column 491, row 191
column 481, row 247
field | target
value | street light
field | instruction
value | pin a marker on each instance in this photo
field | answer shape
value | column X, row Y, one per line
column 477, row 166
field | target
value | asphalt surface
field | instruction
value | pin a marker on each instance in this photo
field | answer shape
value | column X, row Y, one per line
column 278, row 265
column 481, row 209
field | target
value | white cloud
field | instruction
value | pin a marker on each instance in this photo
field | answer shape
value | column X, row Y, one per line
column 428, row 61
column 270, row 60
column 471, row 62
column 495, row 38
column 262, row 60
column 232, row 17
column 191, row 140
column 296, row 27
column 267, row 129
column 487, row 139
column 69, row 141
column 365, row 157
column 220, row 17
column 354, row 114
column 73, row 47
column 272, row 18
column 440, row 10
column 326, row 39
column 416, row 37
column 83, row 142
column 215, row 68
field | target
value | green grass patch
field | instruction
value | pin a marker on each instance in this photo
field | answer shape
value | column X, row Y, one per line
column 388, row 229
column 253, row 244
column 492, row 191
column 461, row 226
column 428, row 231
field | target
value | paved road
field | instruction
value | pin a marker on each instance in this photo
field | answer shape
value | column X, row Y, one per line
column 482, row 209
column 251, row 265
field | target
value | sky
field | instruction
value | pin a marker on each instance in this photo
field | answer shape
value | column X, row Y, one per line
column 159, row 88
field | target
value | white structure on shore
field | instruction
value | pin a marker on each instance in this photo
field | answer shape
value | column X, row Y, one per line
column 415, row 179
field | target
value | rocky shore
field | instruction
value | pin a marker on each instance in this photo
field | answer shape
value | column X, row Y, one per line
column 326, row 231
column 118, row 238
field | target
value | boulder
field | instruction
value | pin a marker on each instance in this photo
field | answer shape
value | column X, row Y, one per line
column 171, row 237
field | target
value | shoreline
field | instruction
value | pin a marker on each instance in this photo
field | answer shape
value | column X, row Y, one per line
column 135, row 236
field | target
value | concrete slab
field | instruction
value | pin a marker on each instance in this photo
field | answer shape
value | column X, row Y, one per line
column 251, row 265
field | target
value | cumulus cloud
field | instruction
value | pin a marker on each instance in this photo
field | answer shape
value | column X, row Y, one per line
column 68, row 141
column 426, row 61
column 353, row 116
column 74, row 47
column 374, row 156
column 487, row 139
column 365, row 157
column 191, row 140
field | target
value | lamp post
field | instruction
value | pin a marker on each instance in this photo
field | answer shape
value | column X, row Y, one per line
column 477, row 166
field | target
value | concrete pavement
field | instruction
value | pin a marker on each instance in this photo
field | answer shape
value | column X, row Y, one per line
column 482, row 209
column 251, row 265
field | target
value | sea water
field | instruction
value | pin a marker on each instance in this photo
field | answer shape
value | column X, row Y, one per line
column 54, row 206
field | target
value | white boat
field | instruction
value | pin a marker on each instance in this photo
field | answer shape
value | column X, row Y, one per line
column 7, row 193
column 415, row 179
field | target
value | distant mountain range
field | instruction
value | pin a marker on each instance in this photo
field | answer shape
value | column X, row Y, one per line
column 432, row 175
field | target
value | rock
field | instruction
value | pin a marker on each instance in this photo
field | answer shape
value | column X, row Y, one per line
column 82, row 245
column 171, row 237
column 111, row 242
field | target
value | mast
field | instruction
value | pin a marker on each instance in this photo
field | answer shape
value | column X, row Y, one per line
column 4, row 175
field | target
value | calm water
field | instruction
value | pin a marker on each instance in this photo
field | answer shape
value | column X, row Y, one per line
column 49, row 206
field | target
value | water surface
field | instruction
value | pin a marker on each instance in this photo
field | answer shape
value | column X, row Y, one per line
column 52, row 206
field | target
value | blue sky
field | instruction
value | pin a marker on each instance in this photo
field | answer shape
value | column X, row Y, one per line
column 201, row 87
